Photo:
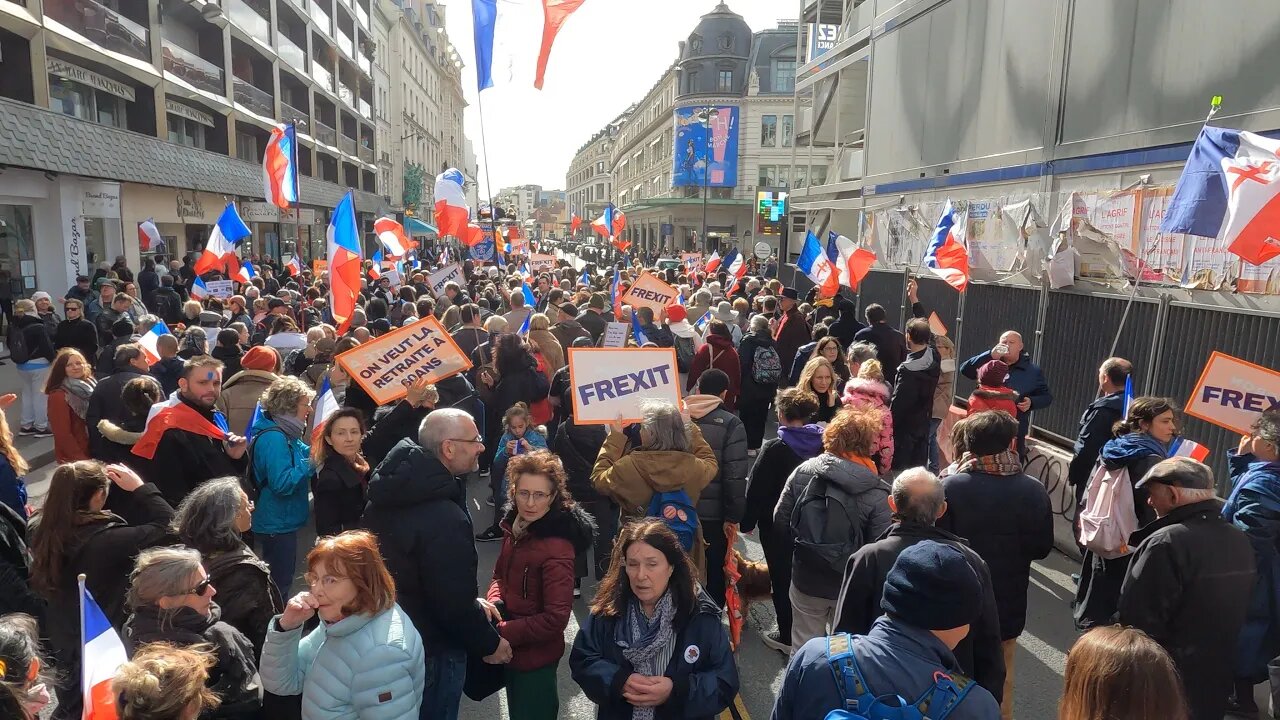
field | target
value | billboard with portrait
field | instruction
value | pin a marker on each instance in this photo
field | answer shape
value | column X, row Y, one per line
column 706, row 153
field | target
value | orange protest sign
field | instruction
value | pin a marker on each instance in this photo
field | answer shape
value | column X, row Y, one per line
column 935, row 324
column 648, row 291
column 318, row 266
column 386, row 366
column 610, row 382
column 1232, row 393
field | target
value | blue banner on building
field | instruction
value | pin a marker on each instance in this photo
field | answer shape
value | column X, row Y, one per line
column 706, row 151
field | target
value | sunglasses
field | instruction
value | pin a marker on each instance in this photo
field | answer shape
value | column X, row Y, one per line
column 202, row 588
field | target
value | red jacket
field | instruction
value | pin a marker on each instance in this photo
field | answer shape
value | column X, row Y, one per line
column 726, row 359
column 70, row 435
column 994, row 398
column 533, row 584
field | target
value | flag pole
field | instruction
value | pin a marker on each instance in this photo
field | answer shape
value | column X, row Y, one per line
column 1214, row 106
column 488, row 182
column 80, row 582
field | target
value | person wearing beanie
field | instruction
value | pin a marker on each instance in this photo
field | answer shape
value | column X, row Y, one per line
column 568, row 328
column 992, row 393
column 259, row 367
column 594, row 318
column 121, row 333
column 932, row 597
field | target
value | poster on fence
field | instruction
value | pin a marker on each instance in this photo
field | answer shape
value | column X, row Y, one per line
column 1232, row 393
column 445, row 275
column 648, row 291
column 387, row 365
column 608, row 383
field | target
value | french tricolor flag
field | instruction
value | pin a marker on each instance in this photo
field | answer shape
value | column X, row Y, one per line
column 172, row 413
column 150, row 340
column 615, row 297
column 345, row 258
column 1183, row 447
column 280, row 167
column 199, row 290
column 375, row 270
column 636, row 332
column 149, row 236
column 713, row 262
column 227, row 232
column 392, row 236
column 246, row 273
column 735, row 266
column 451, row 203
column 326, row 405
column 293, row 267
column 813, row 260
column 507, row 49
column 947, row 256
column 101, row 656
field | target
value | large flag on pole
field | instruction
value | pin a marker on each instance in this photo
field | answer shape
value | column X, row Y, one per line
column 149, row 236
column 1230, row 186
column 101, row 655
column 221, row 247
column 947, row 256
column 280, row 167
column 391, row 235
column 507, row 51
column 451, row 203
column 344, row 262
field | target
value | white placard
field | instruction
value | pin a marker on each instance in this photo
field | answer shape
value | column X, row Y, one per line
column 607, row 383
column 445, row 275
column 220, row 288
column 615, row 335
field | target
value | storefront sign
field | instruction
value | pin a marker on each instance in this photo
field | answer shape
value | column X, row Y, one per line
column 71, row 71
column 258, row 212
column 100, row 200
column 609, row 383
column 1232, row 393
column 648, row 291
column 298, row 216
column 386, row 366
column 188, row 112
column 189, row 206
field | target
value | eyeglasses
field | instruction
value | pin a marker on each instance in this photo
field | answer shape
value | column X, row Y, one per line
column 327, row 582
column 476, row 439
column 537, row 498
column 71, row 308
column 202, row 588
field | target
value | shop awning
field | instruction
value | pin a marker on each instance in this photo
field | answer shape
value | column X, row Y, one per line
column 419, row 227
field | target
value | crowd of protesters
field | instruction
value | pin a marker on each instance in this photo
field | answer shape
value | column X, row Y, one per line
column 898, row 551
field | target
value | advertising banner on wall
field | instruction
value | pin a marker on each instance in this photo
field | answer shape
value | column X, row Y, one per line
column 705, row 153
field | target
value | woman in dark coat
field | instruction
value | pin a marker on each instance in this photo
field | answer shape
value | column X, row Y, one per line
column 342, row 473
column 171, row 596
column 753, row 402
column 578, row 446
column 676, row 661
column 531, row 594
column 718, row 353
column 1141, row 440
column 518, row 376
column 73, row 534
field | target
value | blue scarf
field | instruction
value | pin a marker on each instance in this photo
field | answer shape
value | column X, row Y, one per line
column 1122, row 451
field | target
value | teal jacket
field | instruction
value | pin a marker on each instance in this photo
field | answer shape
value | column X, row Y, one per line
column 282, row 472
column 369, row 667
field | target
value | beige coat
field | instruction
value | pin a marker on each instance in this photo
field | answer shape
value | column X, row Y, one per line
column 240, row 394
column 550, row 348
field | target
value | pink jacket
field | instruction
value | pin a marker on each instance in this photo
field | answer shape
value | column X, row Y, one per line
column 864, row 393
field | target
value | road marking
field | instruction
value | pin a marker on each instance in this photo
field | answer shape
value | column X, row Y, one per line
column 1044, row 652
column 742, row 710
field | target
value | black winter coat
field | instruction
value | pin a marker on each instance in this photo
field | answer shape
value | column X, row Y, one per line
column 105, row 365
column 418, row 510
column 230, row 357
column 725, row 499
column 891, row 345
column 1008, row 520
column 79, row 334
column 594, row 323
column 16, row 594
column 189, row 459
column 1188, row 586
column 39, row 344
column 166, row 303
column 979, row 653
column 246, row 594
column 704, row 676
column 578, row 446
column 166, row 371
column 751, row 390
column 772, row 467
column 847, row 325
column 912, row 401
column 234, row 675
column 105, row 403
column 1095, row 431
column 527, row 386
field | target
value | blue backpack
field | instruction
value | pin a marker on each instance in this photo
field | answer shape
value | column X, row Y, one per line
column 935, row 704
column 674, row 508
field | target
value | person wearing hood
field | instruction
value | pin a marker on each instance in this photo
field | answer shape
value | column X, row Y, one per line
column 417, row 510
column 917, row 500
column 671, row 455
column 724, row 500
column 567, row 328
column 912, row 400
column 1007, row 518
column 227, row 349
column 847, row 323
column 280, row 468
column 824, row 539
column 1025, row 377
column 1141, row 440
column 530, row 596
column 171, row 597
column 992, row 393
column 796, row 442
column 717, row 353
column 869, row 390
column 240, row 394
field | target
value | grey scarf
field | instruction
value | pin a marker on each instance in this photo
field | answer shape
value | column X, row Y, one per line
column 77, row 393
column 648, row 644
column 292, row 426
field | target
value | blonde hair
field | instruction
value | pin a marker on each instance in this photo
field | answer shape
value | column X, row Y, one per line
column 539, row 321
column 871, row 370
column 162, row 681
column 24, row 307
column 811, row 369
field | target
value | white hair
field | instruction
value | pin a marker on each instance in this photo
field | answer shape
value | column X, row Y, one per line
column 438, row 425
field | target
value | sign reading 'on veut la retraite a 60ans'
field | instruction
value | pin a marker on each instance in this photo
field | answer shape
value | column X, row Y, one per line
column 387, row 365
column 612, row 382
column 1232, row 393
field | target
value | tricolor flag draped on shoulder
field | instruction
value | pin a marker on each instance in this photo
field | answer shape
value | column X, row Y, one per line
column 172, row 413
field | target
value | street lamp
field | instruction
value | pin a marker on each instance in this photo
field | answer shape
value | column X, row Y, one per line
column 704, row 116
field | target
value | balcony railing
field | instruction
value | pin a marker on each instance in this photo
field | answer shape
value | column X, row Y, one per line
column 251, row 97
column 365, row 109
column 321, row 18
column 103, row 26
column 347, row 145
column 364, row 63
column 325, row 134
column 345, row 94
column 195, row 70
column 366, row 154
column 289, row 113
column 344, row 42
column 248, row 19
column 322, row 76
column 292, row 55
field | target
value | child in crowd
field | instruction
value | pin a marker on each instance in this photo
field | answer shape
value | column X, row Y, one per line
column 992, row 393
column 520, row 436
column 869, row 390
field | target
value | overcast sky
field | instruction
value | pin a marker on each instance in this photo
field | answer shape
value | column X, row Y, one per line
column 608, row 55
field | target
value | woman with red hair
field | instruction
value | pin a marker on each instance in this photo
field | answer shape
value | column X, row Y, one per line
column 366, row 658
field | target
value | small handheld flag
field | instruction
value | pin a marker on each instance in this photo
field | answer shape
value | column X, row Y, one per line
column 636, row 332
column 101, row 654
column 1128, row 397
column 149, row 236
column 199, row 290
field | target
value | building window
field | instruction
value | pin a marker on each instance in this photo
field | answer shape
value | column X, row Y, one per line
column 768, row 176
column 83, row 102
column 247, row 147
column 725, row 81
column 818, row 175
column 693, row 81
column 768, row 130
column 186, row 132
column 600, row 167
column 784, row 75
column 788, row 130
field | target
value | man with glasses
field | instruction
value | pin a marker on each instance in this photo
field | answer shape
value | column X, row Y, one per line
column 76, row 331
column 417, row 508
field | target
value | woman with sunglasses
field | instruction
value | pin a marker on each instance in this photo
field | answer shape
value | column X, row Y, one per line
column 531, row 593
column 171, row 596
column 76, row 331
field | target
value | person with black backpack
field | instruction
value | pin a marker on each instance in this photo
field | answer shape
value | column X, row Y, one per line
column 834, row 504
column 761, row 373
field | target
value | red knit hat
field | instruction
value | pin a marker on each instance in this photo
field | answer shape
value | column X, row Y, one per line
column 992, row 373
column 676, row 313
column 260, row 358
